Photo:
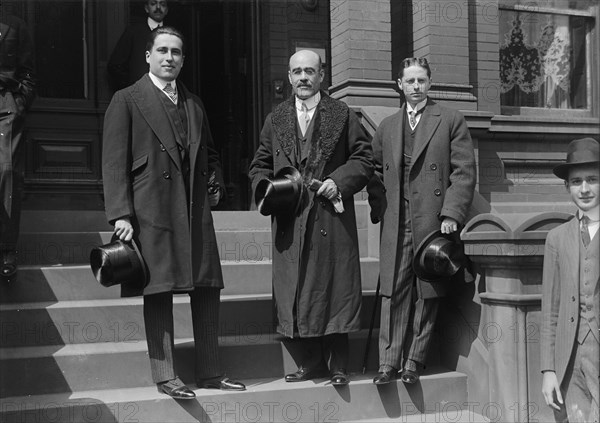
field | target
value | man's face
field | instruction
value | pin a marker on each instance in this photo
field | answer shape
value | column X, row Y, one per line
column 166, row 57
column 157, row 9
column 584, row 187
column 305, row 74
column 415, row 84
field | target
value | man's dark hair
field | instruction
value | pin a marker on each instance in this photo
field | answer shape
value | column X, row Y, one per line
column 414, row 61
column 164, row 30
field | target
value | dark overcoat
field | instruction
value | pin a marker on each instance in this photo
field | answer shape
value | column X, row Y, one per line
column 143, row 180
column 316, row 265
column 442, row 180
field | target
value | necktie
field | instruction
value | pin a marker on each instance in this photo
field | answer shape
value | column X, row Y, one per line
column 171, row 92
column 585, row 233
column 304, row 118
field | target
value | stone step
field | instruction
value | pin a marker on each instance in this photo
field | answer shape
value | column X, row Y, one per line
column 110, row 365
column 72, row 283
column 266, row 400
column 122, row 320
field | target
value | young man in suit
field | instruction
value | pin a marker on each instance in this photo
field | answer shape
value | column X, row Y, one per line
column 316, row 268
column 570, row 280
column 424, row 181
column 158, row 156
column 17, row 90
column 126, row 64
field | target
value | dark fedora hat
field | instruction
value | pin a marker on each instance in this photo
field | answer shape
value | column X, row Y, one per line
column 281, row 195
column 580, row 152
column 438, row 256
column 119, row 262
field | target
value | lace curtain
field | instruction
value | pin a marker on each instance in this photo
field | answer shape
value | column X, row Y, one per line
column 535, row 60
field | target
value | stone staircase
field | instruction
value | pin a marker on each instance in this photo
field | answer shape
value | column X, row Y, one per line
column 74, row 351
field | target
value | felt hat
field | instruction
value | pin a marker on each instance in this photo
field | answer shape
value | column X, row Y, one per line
column 438, row 256
column 280, row 195
column 119, row 262
column 583, row 151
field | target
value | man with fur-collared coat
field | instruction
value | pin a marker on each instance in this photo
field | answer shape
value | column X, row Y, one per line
column 316, row 268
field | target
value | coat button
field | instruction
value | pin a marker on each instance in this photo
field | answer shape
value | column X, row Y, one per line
column 201, row 146
column 323, row 232
column 433, row 166
column 384, row 190
column 162, row 148
column 204, row 173
column 437, row 192
column 387, row 166
column 572, row 320
column 277, row 152
column 166, row 175
column 572, row 298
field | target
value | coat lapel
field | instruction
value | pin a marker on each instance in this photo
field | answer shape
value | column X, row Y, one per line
column 398, row 141
column 195, row 118
column 571, row 253
column 156, row 116
column 431, row 120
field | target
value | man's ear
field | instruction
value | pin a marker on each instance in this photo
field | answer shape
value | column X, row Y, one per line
column 147, row 57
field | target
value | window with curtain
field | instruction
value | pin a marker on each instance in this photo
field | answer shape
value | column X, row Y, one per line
column 544, row 59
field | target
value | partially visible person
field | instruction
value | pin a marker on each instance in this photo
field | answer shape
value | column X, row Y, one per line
column 316, row 268
column 157, row 162
column 569, row 332
column 127, row 63
column 17, row 91
column 424, row 181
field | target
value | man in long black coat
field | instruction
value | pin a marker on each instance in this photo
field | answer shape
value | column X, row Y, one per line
column 158, row 156
column 17, row 90
column 316, row 268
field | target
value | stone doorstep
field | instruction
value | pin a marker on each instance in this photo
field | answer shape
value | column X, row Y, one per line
column 266, row 400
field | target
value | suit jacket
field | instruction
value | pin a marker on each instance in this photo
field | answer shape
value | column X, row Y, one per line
column 316, row 267
column 143, row 179
column 560, row 297
column 442, row 180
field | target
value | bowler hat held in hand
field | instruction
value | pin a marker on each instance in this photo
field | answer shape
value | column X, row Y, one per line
column 438, row 257
column 280, row 195
column 119, row 262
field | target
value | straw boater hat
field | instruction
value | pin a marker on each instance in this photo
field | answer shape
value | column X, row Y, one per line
column 579, row 152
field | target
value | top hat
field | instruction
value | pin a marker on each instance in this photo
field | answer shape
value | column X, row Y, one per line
column 580, row 152
column 437, row 257
column 119, row 262
column 281, row 195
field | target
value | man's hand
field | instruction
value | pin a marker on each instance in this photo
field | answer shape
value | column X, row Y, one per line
column 328, row 189
column 449, row 225
column 213, row 199
column 549, row 387
column 123, row 229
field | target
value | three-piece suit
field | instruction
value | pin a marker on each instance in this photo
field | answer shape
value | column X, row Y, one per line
column 157, row 158
column 412, row 190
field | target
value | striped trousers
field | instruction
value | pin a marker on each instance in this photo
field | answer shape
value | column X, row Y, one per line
column 407, row 322
column 158, row 319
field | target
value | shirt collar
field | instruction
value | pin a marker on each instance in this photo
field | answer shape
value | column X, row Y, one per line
column 153, row 24
column 160, row 84
column 310, row 102
column 418, row 107
column 593, row 214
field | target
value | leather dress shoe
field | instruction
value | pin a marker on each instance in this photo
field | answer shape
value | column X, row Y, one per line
column 340, row 378
column 177, row 390
column 409, row 376
column 222, row 383
column 8, row 266
column 386, row 377
column 303, row 374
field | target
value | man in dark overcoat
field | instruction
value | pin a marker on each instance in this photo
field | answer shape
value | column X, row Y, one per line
column 424, row 181
column 158, row 155
column 17, row 90
column 126, row 63
column 316, row 269
column 570, row 337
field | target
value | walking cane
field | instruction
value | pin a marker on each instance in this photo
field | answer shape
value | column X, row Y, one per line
column 373, row 314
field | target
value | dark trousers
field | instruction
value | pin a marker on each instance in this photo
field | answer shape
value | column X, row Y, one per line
column 407, row 322
column 11, row 171
column 158, row 319
column 328, row 351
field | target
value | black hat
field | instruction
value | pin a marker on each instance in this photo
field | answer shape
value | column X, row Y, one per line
column 438, row 256
column 119, row 262
column 281, row 195
column 580, row 152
